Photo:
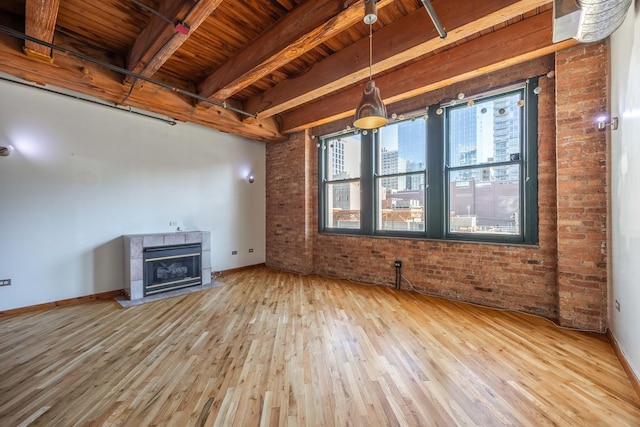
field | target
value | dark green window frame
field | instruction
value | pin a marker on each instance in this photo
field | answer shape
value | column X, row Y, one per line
column 436, row 177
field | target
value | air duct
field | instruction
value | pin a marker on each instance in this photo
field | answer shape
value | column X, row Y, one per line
column 587, row 20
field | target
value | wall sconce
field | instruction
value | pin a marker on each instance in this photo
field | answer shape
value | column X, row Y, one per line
column 602, row 123
column 251, row 179
column 6, row 151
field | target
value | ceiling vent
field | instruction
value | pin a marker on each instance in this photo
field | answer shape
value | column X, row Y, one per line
column 587, row 20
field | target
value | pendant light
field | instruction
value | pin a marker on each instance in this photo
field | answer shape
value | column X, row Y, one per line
column 371, row 112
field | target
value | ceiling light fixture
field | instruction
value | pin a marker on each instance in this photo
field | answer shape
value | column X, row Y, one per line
column 371, row 112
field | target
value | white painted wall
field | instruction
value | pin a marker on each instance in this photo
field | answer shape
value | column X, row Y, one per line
column 83, row 175
column 625, row 186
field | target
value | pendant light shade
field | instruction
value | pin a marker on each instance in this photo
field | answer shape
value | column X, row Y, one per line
column 371, row 112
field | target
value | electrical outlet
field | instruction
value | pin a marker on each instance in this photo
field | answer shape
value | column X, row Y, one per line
column 173, row 223
column 234, row 252
column 398, row 264
column 617, row 305
column 250, row 250
column 5, row 282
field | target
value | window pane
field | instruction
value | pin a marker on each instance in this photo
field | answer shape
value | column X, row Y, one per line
column 401, row 203
column 481, row 203
column 485, row 132
column 343, row 205
column 402, row 147
column 343, row 157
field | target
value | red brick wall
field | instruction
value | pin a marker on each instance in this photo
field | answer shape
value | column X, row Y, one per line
column 289, row 222
column 519, row 277
column 582, row 81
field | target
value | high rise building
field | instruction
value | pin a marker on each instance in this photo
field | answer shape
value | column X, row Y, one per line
column 463, row 140
column 392, row 163
column 506, row 135
column 412, row 136
column 337, row 157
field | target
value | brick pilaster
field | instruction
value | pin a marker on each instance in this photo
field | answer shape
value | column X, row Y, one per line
column 581, row 153
column 289, row 222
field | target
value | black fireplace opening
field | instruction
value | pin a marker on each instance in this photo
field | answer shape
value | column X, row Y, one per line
column 167, row 268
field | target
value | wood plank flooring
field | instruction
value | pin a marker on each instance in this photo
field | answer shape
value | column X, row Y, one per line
column 277, row 349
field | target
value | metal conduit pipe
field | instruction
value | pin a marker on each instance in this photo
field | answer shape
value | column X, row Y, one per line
column 121, row 70
column 434, row 18
column 91, row 101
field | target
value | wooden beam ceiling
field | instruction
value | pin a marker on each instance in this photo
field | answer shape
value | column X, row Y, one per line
column 527, row 39
column 40, row 23
column 401, row 41
column 307, row 26
column 482, row 36
column 160, row 39
column 77, row 75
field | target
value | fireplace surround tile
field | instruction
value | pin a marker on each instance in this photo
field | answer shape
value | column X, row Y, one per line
column 134, row 245
column 150, row 240
column 195, row 237
column 136, row 291
column 136, row 271
column 206, row 259
column 174, row 239
column 206, row 241
column 206, row 276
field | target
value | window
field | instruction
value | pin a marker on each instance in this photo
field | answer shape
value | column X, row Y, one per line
column 342, row 183
column 465, row 171
column 400, row 176
column 484, row 162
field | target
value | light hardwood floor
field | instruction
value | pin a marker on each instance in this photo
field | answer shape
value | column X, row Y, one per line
column 274, row 348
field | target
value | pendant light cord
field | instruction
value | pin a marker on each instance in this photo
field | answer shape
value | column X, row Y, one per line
column 370, row 52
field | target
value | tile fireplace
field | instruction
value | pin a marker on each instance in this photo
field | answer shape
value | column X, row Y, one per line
column 156, row 263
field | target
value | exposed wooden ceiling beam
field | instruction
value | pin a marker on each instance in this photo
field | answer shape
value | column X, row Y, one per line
column 40, row 23
column 403, row 40
column 71, row 73
column 305, row 27
column 525, row 40
column 160, row 39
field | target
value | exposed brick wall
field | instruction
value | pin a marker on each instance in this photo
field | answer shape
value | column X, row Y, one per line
column 582, row 92
column 500, row 276
column 289, row 225
column 510, row 276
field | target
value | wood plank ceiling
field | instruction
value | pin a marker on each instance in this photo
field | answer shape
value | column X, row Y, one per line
column 290, row 64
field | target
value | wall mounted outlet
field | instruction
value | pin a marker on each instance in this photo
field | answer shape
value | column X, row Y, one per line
column 234, row 252
column 617, row 305
column 173, row 223
column 5, row 282
column 250, row 250
column 398, row 264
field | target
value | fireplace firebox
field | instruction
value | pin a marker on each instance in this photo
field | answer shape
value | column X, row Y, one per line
column 167, row 268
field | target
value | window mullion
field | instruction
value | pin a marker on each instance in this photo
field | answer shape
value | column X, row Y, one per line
column 322, row 199
column 435, row 175
column 367, row 181
column 530, row 172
